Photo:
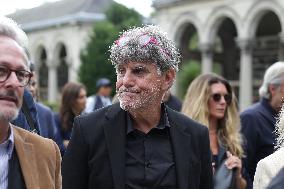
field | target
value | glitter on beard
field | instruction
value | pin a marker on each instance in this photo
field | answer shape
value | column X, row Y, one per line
column 9, row 115
column 145, row 99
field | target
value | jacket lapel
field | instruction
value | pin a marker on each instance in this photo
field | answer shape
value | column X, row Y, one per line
column 26, row 155
column 181, row 147
column 115, row 138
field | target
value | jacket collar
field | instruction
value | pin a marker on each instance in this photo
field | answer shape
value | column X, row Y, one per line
column 115, row 138
column 26, row 155
column 181, row 142
column 115, row 132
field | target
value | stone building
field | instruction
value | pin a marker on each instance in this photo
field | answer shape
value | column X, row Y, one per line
column 243, row 37
column 57, row 33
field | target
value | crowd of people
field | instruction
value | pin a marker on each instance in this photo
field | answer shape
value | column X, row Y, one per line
column 145, row 137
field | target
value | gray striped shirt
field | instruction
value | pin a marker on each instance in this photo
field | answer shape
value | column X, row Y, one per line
column 6, row 149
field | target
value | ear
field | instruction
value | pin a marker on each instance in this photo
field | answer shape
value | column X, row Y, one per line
column 272, row 89
column 169, row 77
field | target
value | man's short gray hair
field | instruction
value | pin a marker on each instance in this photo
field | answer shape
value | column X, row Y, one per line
column 11, row 29
column 147, row 44
column 273, row 75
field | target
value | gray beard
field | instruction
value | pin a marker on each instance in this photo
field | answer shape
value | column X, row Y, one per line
column 10, row 116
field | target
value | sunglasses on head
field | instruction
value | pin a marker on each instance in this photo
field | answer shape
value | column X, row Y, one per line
column 143, row 40
column 217, row 97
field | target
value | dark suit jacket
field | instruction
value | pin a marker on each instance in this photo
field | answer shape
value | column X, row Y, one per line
column 257, row 127
column 48, row 125
column 95, row 157
column 278, row 181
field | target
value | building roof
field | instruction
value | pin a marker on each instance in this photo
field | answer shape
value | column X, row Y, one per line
column 159, row 4
column 60, row 12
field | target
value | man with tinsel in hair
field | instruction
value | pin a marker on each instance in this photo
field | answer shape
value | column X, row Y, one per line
column 139, row 142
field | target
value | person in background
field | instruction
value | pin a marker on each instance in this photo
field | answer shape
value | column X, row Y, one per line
column 32, row 123
column 73, row 102
column 46, row 118
column 268, row 167
column 258, row 121
column 102, row 98
column 27, row 160
column 172, row 101
column 139, row 142
column 210, row 101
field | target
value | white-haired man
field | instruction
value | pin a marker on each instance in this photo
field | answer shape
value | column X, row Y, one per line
column 268, row 167
column 258, row 121
column 139, row 143
column 26, row 159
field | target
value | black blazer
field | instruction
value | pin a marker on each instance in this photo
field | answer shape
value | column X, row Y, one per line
column 95, row 157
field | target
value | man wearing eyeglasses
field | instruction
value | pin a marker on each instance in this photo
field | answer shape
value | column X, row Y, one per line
column 140, row 142
column 258, row 121
column 26, row 159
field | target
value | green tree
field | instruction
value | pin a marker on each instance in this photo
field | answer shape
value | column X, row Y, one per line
column 122, row 17
column 188, row 72
column 95, row 57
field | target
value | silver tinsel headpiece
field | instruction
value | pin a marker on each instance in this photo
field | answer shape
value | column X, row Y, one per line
column 147, row 44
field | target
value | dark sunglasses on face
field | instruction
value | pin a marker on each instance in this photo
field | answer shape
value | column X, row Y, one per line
column 217, row 97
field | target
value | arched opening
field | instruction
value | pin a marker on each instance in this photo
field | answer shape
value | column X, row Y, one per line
column 42, row 75
column 191, row 57
column 62, row 69
column 226, row 53
column 266, row 47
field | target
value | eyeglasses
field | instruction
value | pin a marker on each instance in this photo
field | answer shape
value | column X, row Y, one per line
column 23, row 76
column 217, row 97
column 143, row 40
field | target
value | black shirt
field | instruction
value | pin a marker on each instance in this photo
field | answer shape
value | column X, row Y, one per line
column 149, row 157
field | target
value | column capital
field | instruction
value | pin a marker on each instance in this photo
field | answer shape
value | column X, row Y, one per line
column 52, row 63
column 206, row 47
column 281, row 37
column 245, row 44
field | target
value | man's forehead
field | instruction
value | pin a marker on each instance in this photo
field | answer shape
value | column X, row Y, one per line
column 8, row 45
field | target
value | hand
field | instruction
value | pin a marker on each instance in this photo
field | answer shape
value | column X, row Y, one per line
column 65, row 143
column 233, row 162
column 213, row 168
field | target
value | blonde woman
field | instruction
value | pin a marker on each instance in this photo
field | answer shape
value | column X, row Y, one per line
column 268, row 167
column 211, row 102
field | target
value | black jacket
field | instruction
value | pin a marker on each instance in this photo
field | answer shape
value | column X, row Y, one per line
column 95, row 157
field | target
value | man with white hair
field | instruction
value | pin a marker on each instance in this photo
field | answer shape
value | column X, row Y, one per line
column 268, row 167
column 258, row 121
column 26, row 159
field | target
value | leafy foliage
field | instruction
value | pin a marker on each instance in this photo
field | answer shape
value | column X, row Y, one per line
column 95, row 57
column 188, row 72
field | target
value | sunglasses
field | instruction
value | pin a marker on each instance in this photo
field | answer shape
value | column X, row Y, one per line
column 143, row 40
column 217, row 97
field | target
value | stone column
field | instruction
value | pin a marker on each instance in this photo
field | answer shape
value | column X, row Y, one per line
column 207, row 57
column 246, row 75
column 52, row 80
column 281, row 47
